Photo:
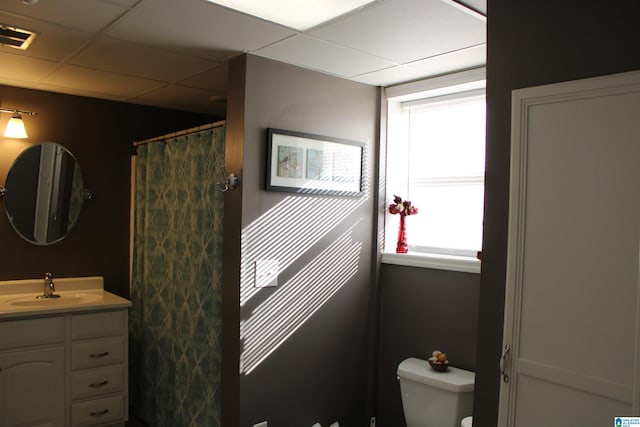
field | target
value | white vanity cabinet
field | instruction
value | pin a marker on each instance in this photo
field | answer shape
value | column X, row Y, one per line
column 98, row 368
column 64, row 370
column 32, row 372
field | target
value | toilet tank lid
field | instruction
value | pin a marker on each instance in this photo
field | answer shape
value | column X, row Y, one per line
column 453, row 379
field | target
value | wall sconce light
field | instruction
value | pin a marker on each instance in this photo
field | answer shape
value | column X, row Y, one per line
column 15, row 127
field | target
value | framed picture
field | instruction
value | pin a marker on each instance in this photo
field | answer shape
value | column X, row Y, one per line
column 313, row 164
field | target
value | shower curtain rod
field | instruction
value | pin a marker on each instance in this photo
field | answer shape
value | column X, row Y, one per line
column 180, row 133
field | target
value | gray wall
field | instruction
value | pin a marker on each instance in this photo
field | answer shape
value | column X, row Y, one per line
column 318, row 373
column 423, row 310
column 529, row 44
column 99, row 133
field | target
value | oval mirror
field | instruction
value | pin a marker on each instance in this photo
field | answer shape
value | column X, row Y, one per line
column 44, row 193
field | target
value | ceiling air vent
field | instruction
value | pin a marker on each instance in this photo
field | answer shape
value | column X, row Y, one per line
column 16, row 37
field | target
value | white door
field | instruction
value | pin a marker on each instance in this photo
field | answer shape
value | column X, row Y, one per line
column 571, row 309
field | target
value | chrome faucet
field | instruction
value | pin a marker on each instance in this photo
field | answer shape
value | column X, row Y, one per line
column 49, row 287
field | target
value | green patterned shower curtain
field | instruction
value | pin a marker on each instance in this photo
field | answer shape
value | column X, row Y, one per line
column 176, row 289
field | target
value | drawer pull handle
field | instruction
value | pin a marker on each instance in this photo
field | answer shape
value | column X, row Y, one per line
column 98, row 385
column 99, row 414
column 98, row 355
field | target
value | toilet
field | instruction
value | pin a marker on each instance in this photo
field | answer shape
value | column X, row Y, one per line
column 435, row 399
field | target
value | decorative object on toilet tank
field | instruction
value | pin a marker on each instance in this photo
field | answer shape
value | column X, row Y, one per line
column 439, row 361
column 402, row 208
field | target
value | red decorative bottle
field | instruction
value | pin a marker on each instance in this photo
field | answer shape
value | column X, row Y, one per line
column 402, row 247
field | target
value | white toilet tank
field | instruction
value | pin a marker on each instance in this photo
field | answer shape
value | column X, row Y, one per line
column 435, row 399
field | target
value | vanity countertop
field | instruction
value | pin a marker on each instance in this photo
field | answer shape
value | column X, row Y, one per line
column 18, row 297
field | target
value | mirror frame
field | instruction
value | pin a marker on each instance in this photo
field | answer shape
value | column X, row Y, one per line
column 44, row 193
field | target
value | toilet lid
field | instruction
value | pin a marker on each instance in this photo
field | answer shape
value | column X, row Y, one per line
column 467, row 422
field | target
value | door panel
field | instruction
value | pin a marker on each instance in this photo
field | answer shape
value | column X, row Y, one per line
column 542, row 403
column 32, row 388
column 572, row 281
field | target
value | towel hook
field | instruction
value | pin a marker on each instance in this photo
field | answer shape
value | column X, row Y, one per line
column 231, row 181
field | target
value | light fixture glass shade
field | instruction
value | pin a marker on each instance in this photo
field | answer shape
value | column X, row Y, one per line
column 15, row 128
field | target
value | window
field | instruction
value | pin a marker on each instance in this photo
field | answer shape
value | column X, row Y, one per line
column 435, row 158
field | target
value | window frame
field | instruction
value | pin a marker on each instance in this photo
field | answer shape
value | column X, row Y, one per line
column 443, row 88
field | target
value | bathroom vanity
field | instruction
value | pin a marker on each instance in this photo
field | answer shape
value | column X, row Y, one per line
column 63, row 361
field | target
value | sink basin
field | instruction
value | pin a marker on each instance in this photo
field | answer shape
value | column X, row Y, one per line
column 65, row 299
column 77, row 294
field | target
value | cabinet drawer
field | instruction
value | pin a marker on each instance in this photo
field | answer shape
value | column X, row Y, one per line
column 22, row 333
column 97, row 381
column 95, row 325
column 98, row 411
column 91, row 353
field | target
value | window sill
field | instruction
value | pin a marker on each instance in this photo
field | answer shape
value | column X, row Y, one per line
column 439, row 262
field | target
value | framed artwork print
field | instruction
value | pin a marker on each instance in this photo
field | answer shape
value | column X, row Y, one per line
column 312, row 164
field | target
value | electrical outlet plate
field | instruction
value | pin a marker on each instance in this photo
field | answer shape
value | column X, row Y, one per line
column 266, row 273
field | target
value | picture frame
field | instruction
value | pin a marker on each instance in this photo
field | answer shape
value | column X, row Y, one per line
column 305, row 163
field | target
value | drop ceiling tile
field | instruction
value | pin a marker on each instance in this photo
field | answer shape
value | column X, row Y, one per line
column 85, row 79
column 390, row 42
column 477, row 5
column 197, row 27
column 23, row 68
column 80, row 92
column 134, row 59
column 442, row 64
column 316, row 54
column 390, row 76
column 405, row 30
column 85, row 15
column 452, row 61
column 214, row 80
column 182, row 98
column 124, row 3
column 53, row 42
